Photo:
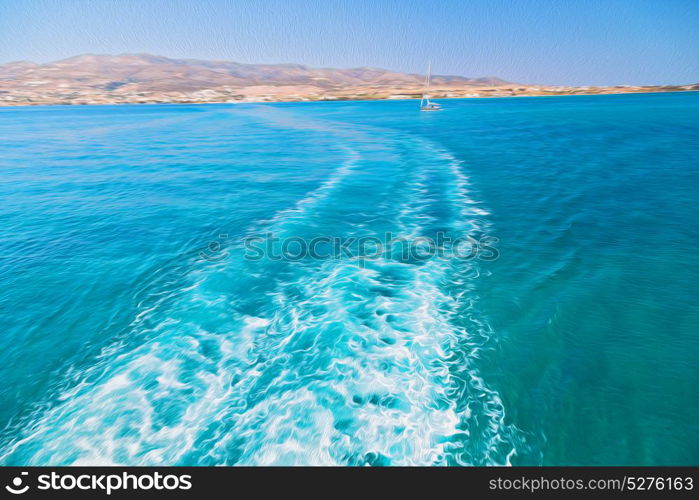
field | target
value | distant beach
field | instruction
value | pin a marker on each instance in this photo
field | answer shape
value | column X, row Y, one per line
column 144, row 78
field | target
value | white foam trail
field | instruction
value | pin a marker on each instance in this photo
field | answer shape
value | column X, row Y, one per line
column 390, row 390
column 383, row 377
column 315, row 197
column 66, row 433
column 351, row 365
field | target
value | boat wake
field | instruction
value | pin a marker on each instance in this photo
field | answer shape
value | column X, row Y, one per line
column 323, row 362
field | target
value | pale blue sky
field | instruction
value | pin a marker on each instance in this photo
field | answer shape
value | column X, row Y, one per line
column 584, row 42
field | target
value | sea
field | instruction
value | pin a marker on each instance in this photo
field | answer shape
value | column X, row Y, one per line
column 228, row 284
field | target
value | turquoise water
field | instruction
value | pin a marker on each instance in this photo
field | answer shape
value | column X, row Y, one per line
column 135, row 331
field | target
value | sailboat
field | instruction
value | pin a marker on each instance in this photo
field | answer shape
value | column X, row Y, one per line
column 425, row 103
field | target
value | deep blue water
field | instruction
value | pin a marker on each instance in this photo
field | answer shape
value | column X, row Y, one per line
column 135, row 331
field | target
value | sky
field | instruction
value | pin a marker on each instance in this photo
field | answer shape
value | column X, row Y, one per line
column 557, row 42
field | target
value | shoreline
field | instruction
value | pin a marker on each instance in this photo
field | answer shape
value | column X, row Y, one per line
column 354, row 99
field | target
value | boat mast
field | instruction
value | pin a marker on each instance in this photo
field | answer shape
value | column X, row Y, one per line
column 429, row 74
column 425, row 93
column 425, row 104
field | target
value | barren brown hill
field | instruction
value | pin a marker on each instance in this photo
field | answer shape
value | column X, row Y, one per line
column 128, row 76
column 134, row 78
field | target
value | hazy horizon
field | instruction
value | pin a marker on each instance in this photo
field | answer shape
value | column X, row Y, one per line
column 560, row 43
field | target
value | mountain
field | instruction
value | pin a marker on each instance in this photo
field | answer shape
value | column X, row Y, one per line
column 142, row 78
column 134, row 77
